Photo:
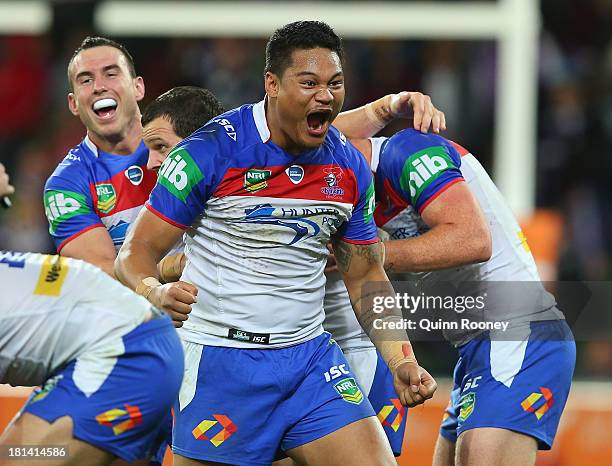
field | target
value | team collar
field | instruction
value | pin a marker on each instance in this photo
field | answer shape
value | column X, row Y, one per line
column 259, row 115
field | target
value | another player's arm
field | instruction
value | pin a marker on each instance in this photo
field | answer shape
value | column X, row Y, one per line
column 365, row 279
column 458, row 235
column 366, row 121
column 94, row 246
column 150, row 238
column 5, row 186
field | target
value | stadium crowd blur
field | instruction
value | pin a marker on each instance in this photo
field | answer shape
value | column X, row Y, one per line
column 574, row 193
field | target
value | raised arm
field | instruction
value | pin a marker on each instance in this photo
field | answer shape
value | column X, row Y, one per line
column 150, row 238
column 367, row 282
column 369, row 119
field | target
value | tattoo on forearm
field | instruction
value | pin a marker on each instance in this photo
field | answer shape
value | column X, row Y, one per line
column 344, row 252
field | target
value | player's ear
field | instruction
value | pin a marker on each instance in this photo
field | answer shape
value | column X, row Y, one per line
column 272, row 83
column 72, row 104
column 139, row 87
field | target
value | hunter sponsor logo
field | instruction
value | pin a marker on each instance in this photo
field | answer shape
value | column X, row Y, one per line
column 52, row 276
column 241, row 335
column 179, row 174
column 256, row 180
column 467, row 404
column 107, row 197
column 349, row 390
column 423, row 168
column 62, row 205
column 295, row 173
column 332, row 177
column 134, row 174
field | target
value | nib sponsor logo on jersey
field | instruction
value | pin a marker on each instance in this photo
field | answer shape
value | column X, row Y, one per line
column 228, row 429
column 386, row 412
column 536, row 405
column 332, row 177
column 121, row 420
column 179, row 174
column 256, row 180
column 61, row 205
column 291, row 218
column 422, row 168
column 107, row 197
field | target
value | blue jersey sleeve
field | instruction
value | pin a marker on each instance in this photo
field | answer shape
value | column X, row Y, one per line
column 419, row 166
column 68, row 204
column 185, row 181
column 361, row 229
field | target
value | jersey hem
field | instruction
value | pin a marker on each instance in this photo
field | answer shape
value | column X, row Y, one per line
column 79, row 233
column 206, row 338
column 360, row 241
column 440, row 191
column 156, row 212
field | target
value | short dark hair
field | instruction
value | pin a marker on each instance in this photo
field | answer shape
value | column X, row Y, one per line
column 187, row 108
column 96, row 41
column 300, row 35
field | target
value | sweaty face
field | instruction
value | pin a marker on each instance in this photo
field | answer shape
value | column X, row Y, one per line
column 160, row 138
column 104, row 95
column 309, row 96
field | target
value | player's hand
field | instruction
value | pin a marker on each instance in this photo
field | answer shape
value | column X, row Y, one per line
column 413, row 384
column 6, row 188
column 176, row 299
column 331, row 265
column 419, row 107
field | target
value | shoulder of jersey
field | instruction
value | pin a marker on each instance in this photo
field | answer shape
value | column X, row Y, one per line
column 336, row 137
column 227, row 129
column 409, row 141
column 74, row 163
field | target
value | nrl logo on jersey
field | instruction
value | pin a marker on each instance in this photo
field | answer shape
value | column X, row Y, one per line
column 332, row 177
column 256, row 180
column 107, row 198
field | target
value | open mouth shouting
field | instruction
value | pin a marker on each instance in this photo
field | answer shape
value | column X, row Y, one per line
column 318, row 122
column 105, row 108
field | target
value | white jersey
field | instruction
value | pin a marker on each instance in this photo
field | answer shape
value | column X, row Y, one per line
column 55, row 309
column 257, row 222
column 511, row 259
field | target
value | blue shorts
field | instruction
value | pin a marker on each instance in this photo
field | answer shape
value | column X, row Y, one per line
column 124, row 409
column 516, row 385
column 375, row 377
column 247, row 406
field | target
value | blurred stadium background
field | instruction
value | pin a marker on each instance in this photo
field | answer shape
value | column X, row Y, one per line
column 526, row 86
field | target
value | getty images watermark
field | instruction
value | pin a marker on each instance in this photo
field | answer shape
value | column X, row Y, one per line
column 434, row 306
